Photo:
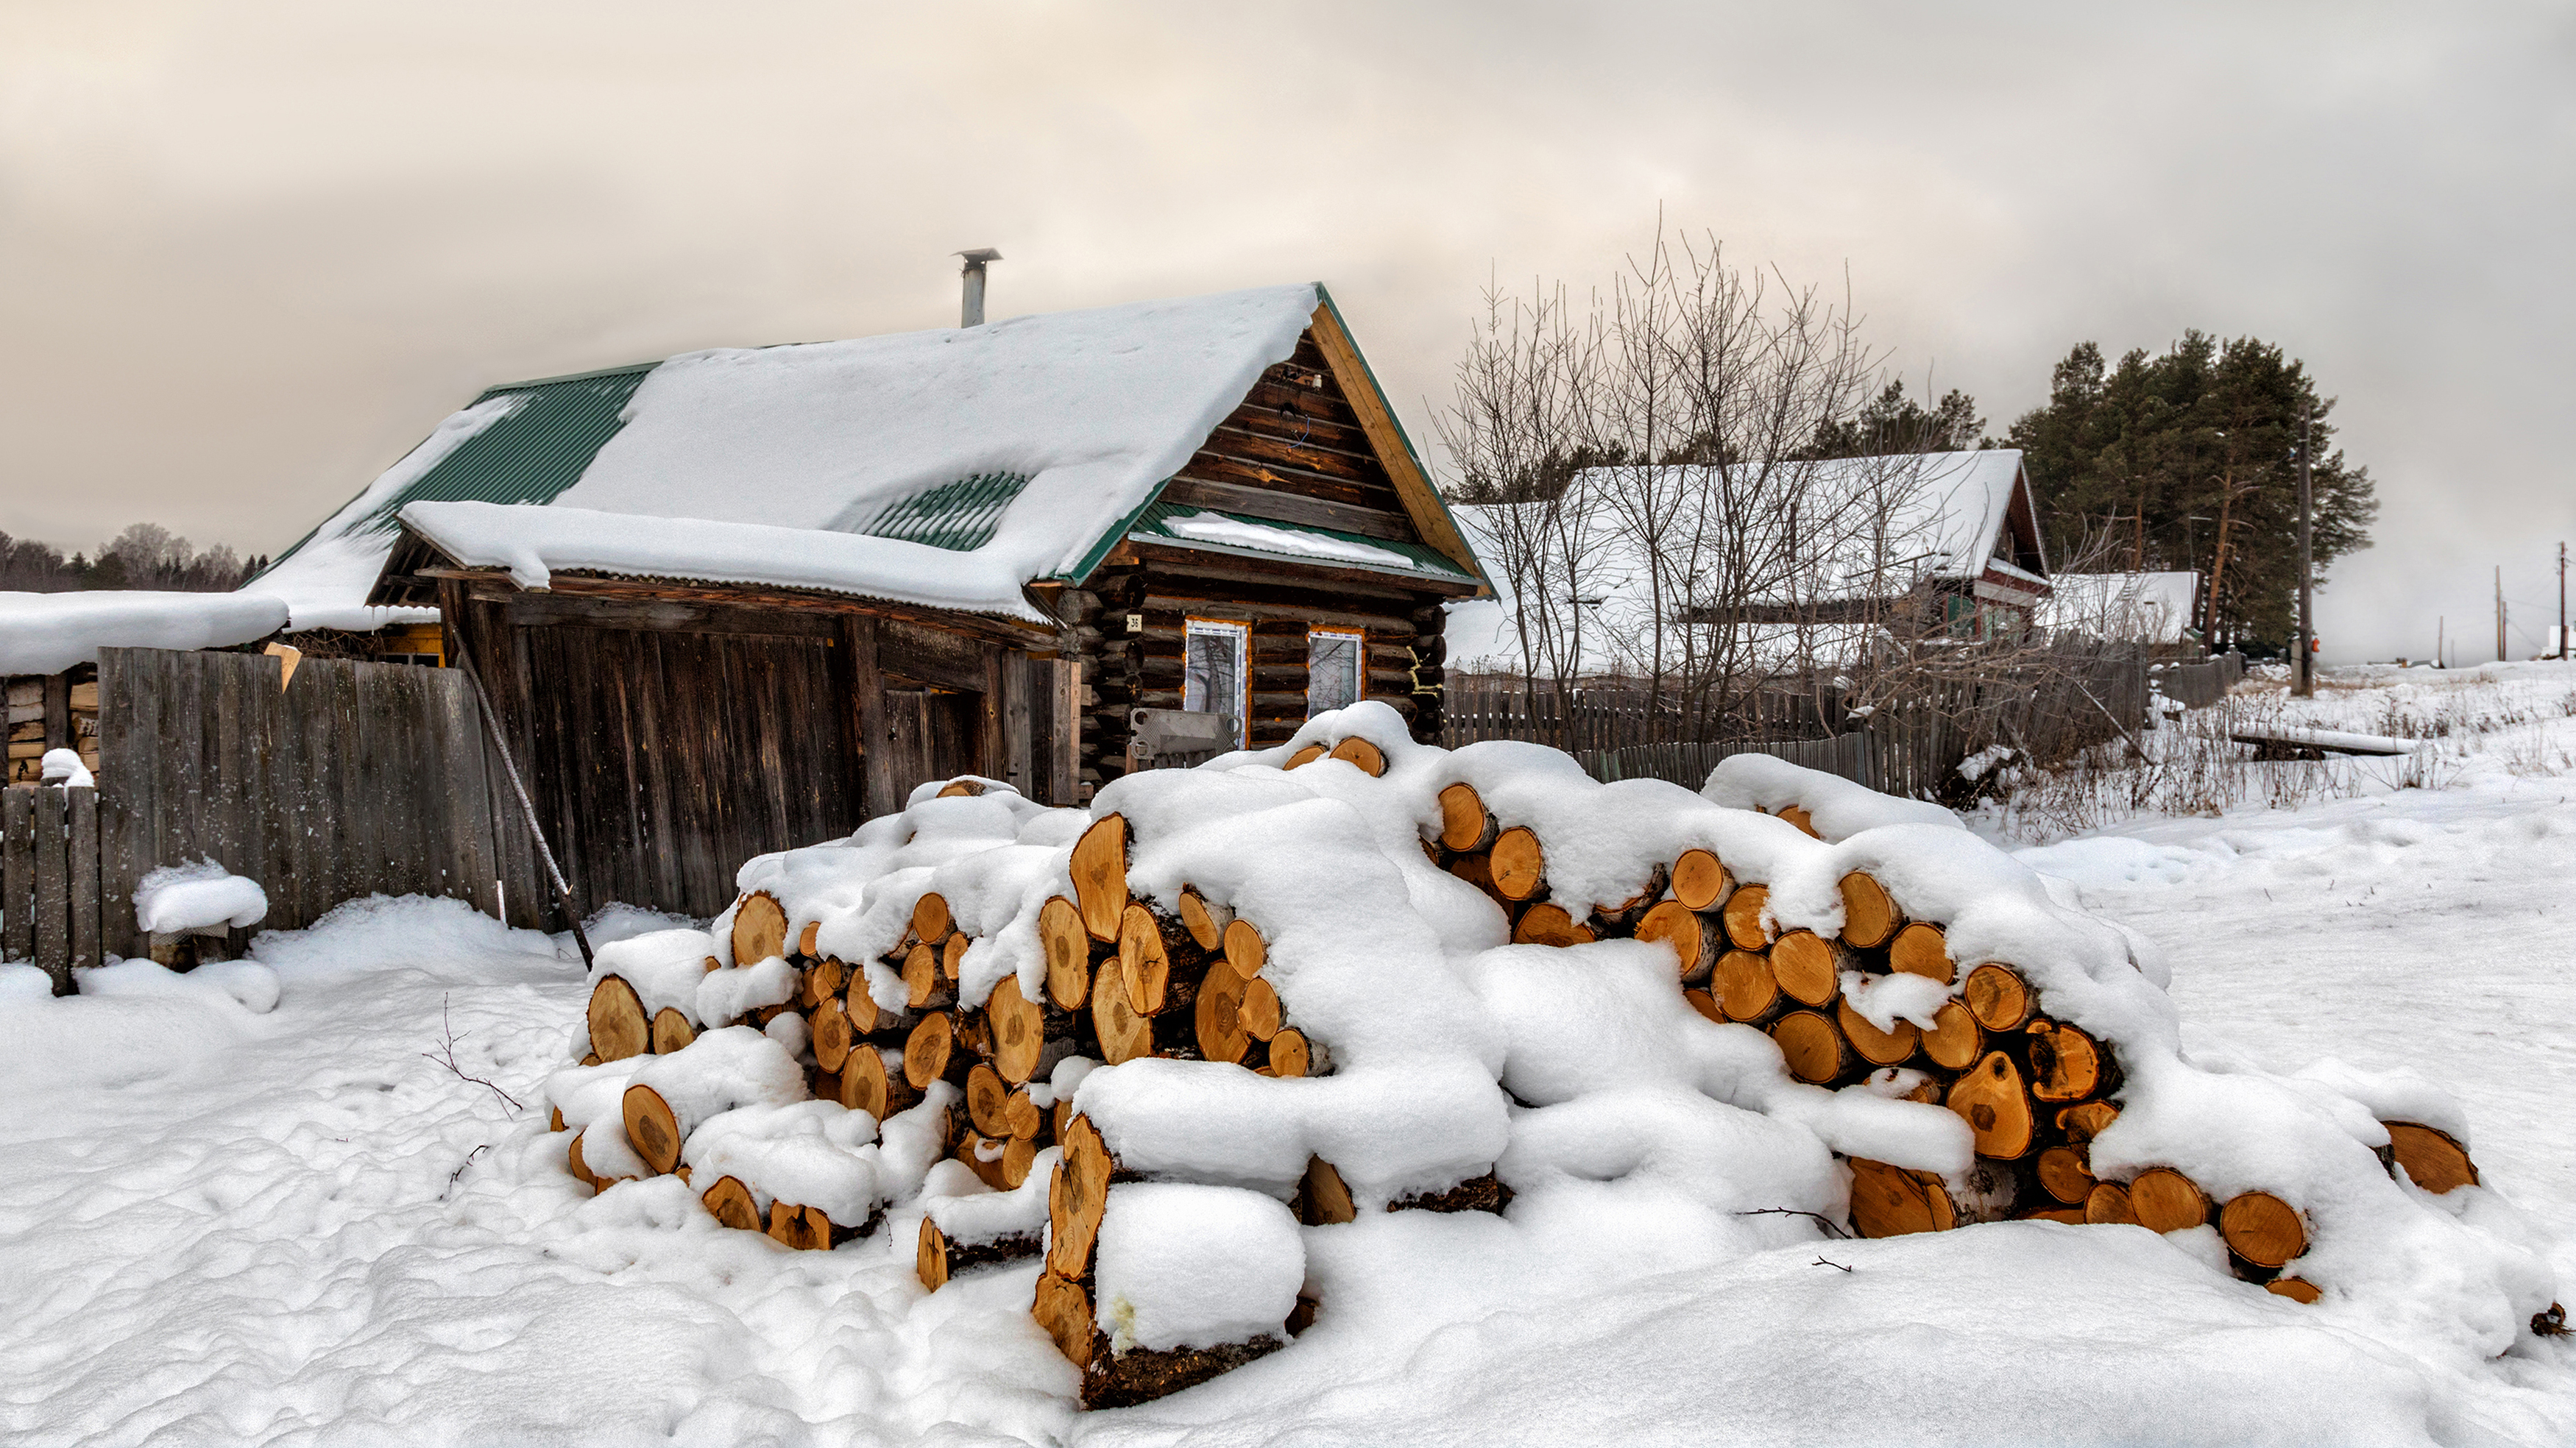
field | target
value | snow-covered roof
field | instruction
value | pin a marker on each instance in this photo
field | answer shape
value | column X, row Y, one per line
column 2140, row 607
column 46, row 633
column 946, row 468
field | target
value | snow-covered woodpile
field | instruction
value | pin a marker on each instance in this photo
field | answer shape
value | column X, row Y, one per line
column 1144, row 1048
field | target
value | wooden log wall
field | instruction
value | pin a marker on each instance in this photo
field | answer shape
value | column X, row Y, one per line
column 1294, row 451
column 1128, row 631
column 360, row 779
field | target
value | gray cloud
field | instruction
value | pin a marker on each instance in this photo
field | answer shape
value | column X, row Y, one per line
column 249, row 254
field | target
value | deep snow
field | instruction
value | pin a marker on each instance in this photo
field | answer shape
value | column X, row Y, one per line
column 236, row 1226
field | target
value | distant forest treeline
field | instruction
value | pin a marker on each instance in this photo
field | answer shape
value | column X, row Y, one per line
column 145, row 555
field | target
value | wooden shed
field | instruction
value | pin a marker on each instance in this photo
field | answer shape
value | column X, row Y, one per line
column 739, row 601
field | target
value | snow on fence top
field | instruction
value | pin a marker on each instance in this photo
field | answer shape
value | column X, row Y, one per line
column 46, row 633
column 1353, row 974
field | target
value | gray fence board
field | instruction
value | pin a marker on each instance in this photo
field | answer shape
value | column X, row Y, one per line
column 18, row 872
column 355, row 779
column 80, row 866
column 53, row 889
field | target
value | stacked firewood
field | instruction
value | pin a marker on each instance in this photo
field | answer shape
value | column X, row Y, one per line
column 2034, row 1090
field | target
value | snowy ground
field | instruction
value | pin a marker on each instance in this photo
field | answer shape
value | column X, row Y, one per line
column 229, row 1226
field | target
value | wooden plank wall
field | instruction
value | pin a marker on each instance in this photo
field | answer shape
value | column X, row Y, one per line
column 661, row 760
column 359, row 779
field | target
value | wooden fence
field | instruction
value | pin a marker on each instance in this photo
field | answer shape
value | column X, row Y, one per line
column 2046, row 709
column 2199, row 685
column 352, row 779
column 49, row 879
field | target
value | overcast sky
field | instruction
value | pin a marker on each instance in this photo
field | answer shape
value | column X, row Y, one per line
column 251, row 252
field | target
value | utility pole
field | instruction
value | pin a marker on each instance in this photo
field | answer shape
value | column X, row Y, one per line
column 2499, row 613
column 2562, row 600
column 2304, row 681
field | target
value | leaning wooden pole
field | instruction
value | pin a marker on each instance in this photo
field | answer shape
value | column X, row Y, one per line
column 492, row 722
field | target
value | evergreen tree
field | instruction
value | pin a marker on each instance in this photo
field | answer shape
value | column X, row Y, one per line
column 2190, row 461
column 1894, row 423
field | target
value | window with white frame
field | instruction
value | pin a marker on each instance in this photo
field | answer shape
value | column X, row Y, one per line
column 1213, row 672
column 1334, row 658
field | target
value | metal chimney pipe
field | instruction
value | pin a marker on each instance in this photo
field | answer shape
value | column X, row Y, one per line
column 972, row 313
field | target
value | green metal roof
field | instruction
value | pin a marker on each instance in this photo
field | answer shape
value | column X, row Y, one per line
column 529, row 456
column 1149, row 527
column 960, row 515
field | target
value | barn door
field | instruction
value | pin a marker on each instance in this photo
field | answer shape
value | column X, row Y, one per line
column 932, row 734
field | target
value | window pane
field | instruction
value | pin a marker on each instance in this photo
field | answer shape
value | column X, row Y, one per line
column 1212, row 671
column 1332, row 671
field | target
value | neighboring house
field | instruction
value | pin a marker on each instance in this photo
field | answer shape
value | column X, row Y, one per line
column 741, row 600
column 1939, row 544
column 2155, row 609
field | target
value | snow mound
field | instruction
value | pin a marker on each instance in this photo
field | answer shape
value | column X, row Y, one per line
column 201, row 896
column 1230, row 1016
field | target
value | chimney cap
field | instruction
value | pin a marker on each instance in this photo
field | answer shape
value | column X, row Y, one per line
column 980, row 255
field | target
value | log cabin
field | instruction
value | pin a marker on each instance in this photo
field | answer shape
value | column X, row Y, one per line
column 743, row 600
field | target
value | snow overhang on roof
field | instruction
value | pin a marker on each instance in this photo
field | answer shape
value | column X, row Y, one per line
column 46, row 633
column 535, row 543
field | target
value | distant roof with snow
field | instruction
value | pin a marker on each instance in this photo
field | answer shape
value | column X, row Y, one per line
column 1872, row 528
column 46, row 633
column 947, row 468
column 2150, row 608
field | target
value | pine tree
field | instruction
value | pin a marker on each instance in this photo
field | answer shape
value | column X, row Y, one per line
column 2190, row 461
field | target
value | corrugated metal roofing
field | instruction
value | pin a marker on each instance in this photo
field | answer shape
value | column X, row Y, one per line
column 960, row 515
column 1148, row 527
column 534, row 453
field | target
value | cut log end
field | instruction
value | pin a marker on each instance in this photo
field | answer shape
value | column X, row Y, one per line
column 927, row 1049
column 1743, row 918
column 730, row 1202
column 1955, row 1042
column 1144, row 964
column 1922, row 949
column 1322, row 1198
column 1018, row 1029
column 2108, row 1204
column 806, row 1229
column 1519, row 865
column 1201, row 920
column 1700, row 882
column 1465, row 824
column 1099, row 870
column 1064, row 1310
column 1745, row 988
column 651, row 1128
column 1360, row 754
column 1217, row 1015
column 1890, row 1201
column 1245, row 949
column 1290, row 1053
column 2167, row 1201
column 1815, row 1052
column 2063, row 1174
column 1869, row 913
column 1124, row 1035
column 1260, row 1013
column 1305, row 756
column 2262, row 1229
column 618, row 1028
column 1990, row 1097
column 759, row 928
column 1068, row 952
column 2297, row 1289
column 1549, row 924
column 832, row 1034
column 1877, row 1047
column 2432, row 1159
column 2065, row 1063
column 1998, row 997
column 1677, row 925
column 1808, row 967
